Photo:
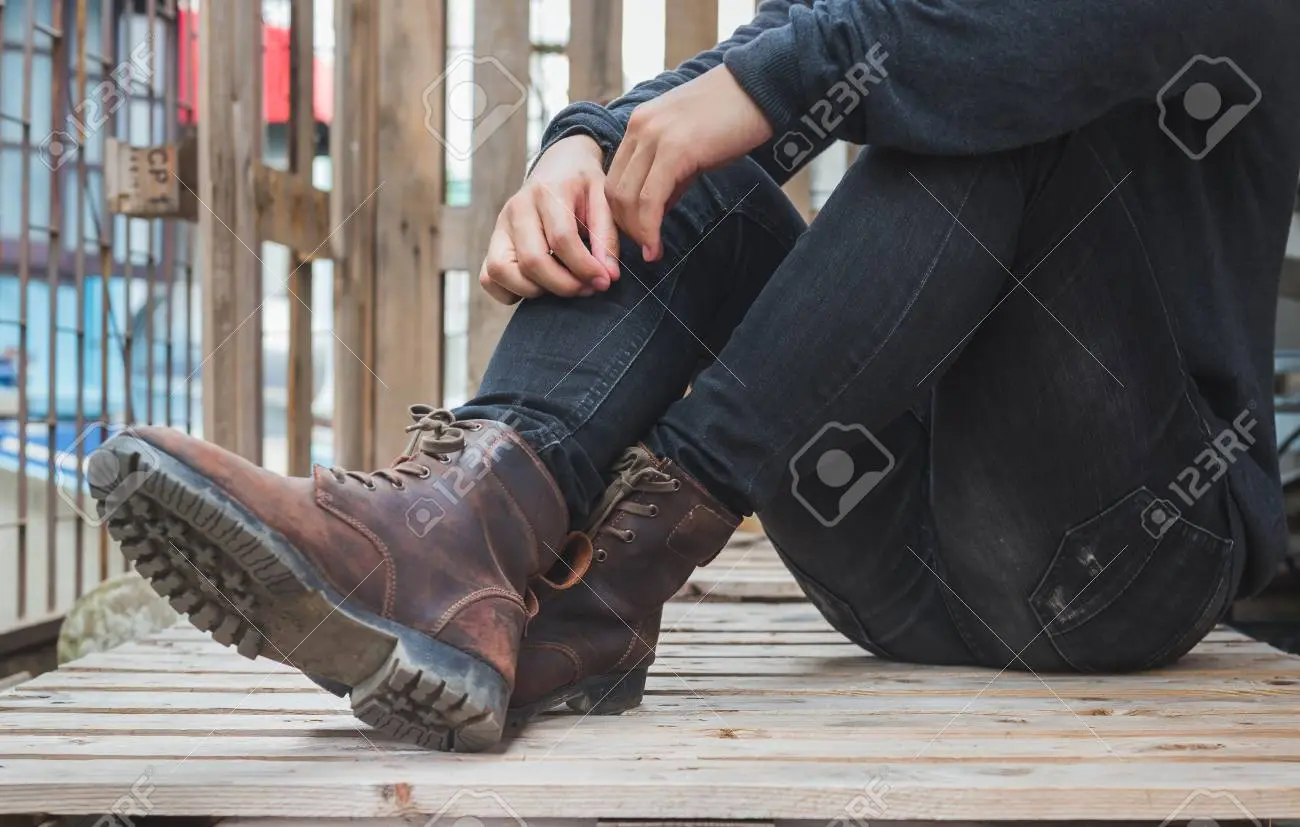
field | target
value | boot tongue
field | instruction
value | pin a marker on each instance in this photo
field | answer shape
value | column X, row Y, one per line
column 633, row 461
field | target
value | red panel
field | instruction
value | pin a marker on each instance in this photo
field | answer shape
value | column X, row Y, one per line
column 275, row 74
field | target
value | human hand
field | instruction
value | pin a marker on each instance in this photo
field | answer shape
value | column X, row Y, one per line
column 700, row 125
column 537, row 247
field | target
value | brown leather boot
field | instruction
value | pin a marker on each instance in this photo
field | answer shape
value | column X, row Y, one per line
column 410, row 586
column 591, row 643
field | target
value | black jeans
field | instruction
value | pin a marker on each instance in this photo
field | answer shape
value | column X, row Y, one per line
column 956, row 402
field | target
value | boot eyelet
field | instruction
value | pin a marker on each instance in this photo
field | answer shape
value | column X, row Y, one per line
column 473, row 426
column 654, row 511
column 399, row 486
column 425, row 473
column 630, row 537
column 444, row 459
column 370, row 486
column 677, row 485
column 601, row 555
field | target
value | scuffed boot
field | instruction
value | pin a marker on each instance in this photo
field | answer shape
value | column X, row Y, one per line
column 408, row 586
column 591, row 643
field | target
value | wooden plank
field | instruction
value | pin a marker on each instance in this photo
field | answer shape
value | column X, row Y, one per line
column 691, row 27
column 353, row 152
column 368, row 787
column 754, row 711
column 595, row 50
column 408, row 283
column 230, row 146
column 302, row 150
column 501, row 154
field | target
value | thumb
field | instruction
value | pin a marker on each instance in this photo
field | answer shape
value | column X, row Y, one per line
column 601, row 229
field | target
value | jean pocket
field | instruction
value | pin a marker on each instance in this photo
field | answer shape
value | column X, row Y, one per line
column 1133, row 587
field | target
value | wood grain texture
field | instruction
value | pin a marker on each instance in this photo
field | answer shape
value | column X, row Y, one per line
column 354, row 144
column 408, row 319
column 230, row 148
column 754, row 710
column 499, row 149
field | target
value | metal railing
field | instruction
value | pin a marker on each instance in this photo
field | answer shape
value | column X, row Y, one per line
column 97, row 310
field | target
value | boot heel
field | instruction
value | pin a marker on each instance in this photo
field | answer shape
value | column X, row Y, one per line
column 610, row 694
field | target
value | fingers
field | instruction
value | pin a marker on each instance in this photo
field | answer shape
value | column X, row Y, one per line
column 623, row 189
column 533, row 252
column 560, row 227
column 601, row 229
column 660, row 185
column 500, row 275
column 495, row 290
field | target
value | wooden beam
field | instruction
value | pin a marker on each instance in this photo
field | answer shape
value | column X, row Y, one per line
column 691, row 27
column 293, row 213
column 353, row 149
column 501, row 30
column 302, row 149
column 595, row 50
column 408, row 263
column 230, row 145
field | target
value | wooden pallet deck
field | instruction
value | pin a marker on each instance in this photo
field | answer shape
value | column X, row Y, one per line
column 754, row 711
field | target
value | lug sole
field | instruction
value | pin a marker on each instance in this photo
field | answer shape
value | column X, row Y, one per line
column 252, row 590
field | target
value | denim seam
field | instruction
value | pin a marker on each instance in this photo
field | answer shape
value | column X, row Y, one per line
column 1155, row 284
column 925, row 280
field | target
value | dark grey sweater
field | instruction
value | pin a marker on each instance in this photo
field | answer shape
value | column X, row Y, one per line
column 978, row 76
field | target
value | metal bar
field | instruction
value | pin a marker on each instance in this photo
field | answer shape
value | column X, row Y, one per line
column 151, row 288
column 58, row 89
column 79, row 552
column 170, row 229
column 108, row 44
column 24, row 281
column 190, row 249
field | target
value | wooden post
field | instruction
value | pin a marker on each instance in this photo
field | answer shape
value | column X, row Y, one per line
column 595, row 50
column 302, row 149
column 502, row 48
column 353, row 147
column 230, row 145
column 408, row 268
column 691, row 27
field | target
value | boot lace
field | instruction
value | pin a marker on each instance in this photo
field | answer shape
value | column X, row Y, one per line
column 434, row 433
column 634, row 472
